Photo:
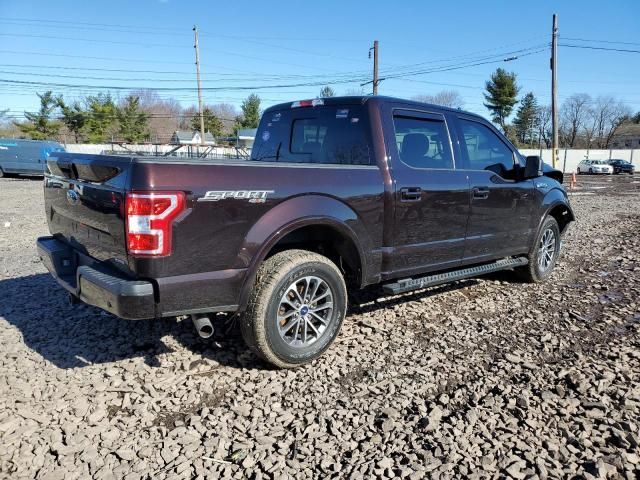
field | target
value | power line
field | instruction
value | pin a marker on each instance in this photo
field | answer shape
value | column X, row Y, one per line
column 262, row 87
column 457, row 67
column 600, row 48
column 599, row 41
column 92, row 40
column 123, row 79
column 175, row 89
column 499, row 57
column 136, row 60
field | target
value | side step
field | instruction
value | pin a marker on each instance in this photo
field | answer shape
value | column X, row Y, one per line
column 408, row 284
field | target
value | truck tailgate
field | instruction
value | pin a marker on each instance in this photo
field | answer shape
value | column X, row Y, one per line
column 85, row 201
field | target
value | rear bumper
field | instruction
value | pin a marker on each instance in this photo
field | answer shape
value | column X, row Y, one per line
column 95, row 284
column 104, row 286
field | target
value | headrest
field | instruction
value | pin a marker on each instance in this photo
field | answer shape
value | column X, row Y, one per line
column 414, row 145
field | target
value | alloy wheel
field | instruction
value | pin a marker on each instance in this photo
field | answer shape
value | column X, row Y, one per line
column 305, row 311
column 546, row 249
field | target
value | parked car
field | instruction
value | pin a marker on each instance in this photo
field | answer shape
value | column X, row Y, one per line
column 25, row 157
column 594, row 167
column 622, row 166
column 338, row 194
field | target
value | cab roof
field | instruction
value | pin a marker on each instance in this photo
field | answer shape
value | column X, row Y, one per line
column 363, row 99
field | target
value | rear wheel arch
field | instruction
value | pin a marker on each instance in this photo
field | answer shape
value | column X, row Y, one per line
column 325, row 236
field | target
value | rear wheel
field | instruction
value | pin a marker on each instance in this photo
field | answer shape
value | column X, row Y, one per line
column 296, row 309
column 579, row 172
column 544, row 254
column 1, row 173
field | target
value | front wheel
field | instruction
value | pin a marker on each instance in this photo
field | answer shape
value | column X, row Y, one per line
column 296, row 309
column 544, row 254
column 591, row 171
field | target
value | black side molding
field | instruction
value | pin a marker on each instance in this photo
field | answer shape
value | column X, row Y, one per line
column 408, row 284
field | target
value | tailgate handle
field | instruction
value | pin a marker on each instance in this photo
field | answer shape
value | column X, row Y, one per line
column 481, row 193
column 410, row 194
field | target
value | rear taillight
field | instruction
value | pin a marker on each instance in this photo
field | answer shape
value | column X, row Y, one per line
column 149, row 218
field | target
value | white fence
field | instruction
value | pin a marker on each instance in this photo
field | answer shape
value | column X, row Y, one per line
column 568, row 159
column 97, row 148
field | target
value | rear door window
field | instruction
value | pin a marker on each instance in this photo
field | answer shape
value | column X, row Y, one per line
column 325, row 135
column 423, row 142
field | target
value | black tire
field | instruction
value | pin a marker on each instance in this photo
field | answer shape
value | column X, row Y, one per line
column 259, row 324
column 579, row 172
column 533, row 271
column 1, row 173
column 591, row 171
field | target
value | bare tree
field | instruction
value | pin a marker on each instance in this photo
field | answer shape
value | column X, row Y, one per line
column 544, row 124
column 354, row 92
column 573, row 115
column 227, row 114
column 607, row 114
column 163, row 114
column 446, row 98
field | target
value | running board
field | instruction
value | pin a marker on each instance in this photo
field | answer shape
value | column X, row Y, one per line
column 408, row 284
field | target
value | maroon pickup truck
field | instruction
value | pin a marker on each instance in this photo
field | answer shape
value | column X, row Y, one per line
column 338, row 194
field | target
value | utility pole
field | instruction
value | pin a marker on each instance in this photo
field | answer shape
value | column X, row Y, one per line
column 554, row 89
column 195, row 31
column 375, row 67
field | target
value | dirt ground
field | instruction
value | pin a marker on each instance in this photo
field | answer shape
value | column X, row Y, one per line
column 487, row 378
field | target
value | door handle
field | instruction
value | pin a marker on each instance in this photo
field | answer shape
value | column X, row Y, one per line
column 410, row 194
column 480, row 193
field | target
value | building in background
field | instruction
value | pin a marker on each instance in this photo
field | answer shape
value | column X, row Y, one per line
column 627, row 136
column 186, row 137
column 245, row 137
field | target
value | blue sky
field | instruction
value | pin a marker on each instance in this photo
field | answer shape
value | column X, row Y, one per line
column 149, row 43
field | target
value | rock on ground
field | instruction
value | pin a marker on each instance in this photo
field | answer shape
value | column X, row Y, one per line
column 487, row 378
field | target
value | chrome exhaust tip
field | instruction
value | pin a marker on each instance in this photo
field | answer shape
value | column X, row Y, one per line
column 203, row 325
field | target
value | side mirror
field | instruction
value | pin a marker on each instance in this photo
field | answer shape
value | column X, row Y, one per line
column 532, row 167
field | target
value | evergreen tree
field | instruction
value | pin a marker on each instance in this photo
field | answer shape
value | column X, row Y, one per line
column 212, row 123
column 133, row 123
column 501, row 96
column 40, row 125
column 102, row 117
column 74, row 117
column 326, row 92
column 526, row 119
column 250, row 112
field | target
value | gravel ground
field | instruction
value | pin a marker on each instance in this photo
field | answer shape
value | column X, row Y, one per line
column 486, row 378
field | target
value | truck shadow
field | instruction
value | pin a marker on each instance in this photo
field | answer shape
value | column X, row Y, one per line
column 79, row 336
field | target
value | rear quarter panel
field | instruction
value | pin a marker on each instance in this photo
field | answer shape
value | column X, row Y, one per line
column 231, row 233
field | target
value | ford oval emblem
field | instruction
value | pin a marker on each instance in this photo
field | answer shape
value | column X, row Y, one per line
column 72, row 197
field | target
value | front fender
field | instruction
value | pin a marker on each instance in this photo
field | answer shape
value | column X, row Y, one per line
column 552, row 198
column 295, row 213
